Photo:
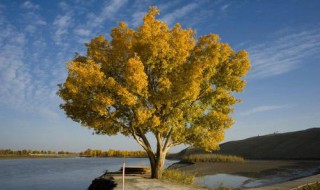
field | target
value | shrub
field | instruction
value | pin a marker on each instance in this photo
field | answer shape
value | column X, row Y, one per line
column 194, row 158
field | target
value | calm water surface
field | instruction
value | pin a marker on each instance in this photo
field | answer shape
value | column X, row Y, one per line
column 58, row 173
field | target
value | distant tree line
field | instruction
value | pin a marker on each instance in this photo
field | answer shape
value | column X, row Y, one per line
column 86, row 153
column 113, row 153
column 8, row 152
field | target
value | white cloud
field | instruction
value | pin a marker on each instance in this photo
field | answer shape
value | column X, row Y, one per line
column 283, row 54
column 33, row 22
column 82, row 32
column 62, row 24
column 34, row 18
column 64, row 6
column 26, row 84
column 109, row 11
column 261, row 109
column 224, row 7
column 96, row 21
column 171, row 18
column 29, row 5
column 164, row 7
column 13, row 74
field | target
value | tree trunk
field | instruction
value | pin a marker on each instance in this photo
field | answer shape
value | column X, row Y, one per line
column 157, row 165
column 156, row 160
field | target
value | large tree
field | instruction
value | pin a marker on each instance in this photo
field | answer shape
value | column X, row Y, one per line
column 156, row 80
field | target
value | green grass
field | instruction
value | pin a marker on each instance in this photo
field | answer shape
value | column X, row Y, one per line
column 313, row 186
column 194, row 158
column 178, row 176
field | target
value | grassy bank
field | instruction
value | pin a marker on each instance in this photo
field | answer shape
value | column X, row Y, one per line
column 178, row 176
column 194, row 158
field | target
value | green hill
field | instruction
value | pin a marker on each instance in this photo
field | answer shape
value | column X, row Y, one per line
column 300, row 145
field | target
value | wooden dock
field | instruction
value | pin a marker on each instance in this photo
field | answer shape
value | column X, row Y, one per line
column 136, row 169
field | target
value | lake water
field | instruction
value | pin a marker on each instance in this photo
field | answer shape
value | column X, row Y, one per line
column 59, row 173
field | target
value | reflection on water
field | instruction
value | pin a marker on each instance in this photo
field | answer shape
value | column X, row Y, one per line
column 53, row 174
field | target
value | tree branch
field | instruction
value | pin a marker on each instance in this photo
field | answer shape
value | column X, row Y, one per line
column 168, row 137
column 136, row 137
column 172, row 145
column 144, row 138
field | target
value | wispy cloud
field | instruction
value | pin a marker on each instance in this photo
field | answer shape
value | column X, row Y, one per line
column 29, row 5
column 62, row 25
column 34, row 18
column 82, row 32
column 108, row 12
column 284, row 54
column 224, row 7
column 26, row 84
column 96, row 21
column 13, row 74
column 260, row 109
column 171, row 18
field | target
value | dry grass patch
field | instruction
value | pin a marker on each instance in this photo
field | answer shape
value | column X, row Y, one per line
column 178, row 176
column 194, row 158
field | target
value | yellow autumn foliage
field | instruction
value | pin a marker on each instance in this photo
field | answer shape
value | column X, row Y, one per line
column 156, row 79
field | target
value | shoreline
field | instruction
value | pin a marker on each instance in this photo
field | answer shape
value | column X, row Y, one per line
column 113, row 181
column 267, row 173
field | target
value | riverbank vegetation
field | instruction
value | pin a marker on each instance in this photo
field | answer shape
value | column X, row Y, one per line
column 194, row 158
column 178, row 176
column 113, row 153
column 8, row 153
column 25, row 152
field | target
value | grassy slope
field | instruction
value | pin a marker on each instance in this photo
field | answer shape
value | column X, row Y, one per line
column 293, row 145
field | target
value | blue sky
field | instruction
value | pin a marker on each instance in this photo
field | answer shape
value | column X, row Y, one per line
column 38, row 37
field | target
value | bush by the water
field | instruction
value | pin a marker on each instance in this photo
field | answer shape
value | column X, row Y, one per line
column 194, row 158
column 178, row 176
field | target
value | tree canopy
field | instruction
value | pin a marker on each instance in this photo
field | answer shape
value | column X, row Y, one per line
column 158, row 80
